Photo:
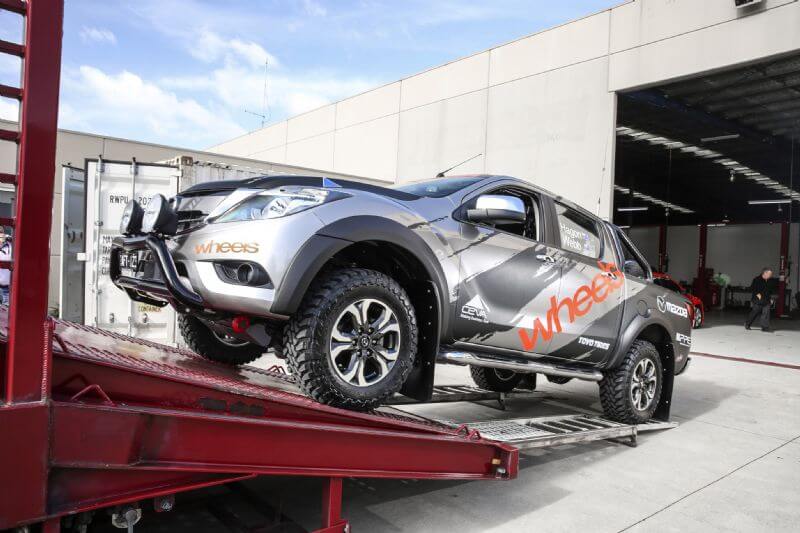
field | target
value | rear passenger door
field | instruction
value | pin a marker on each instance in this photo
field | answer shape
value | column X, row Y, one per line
column 588, row 312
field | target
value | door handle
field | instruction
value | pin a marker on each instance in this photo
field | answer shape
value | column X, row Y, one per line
column 610, row 275
column 546, row 258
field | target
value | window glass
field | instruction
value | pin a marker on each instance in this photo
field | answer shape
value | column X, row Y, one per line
column 438, row 188
column 630, row 254
column 579, row 233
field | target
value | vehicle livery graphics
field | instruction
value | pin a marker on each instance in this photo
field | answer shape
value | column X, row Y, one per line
column 226, row 247
column 540, row 288
column 577, row 305
column 666, row 306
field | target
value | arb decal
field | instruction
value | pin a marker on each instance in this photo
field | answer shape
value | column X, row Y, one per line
column 212, row 247
column 579, row 304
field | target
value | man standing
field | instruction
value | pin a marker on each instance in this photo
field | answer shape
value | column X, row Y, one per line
column 760, row 301
column 5, row 274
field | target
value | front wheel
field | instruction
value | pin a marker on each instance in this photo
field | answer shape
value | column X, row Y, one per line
column 214, row 346
column 630, row 393
column 353, row 341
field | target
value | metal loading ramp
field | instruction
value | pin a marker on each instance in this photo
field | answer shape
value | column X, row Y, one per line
column 131, row 419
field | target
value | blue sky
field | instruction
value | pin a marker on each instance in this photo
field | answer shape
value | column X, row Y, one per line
column 184, row 72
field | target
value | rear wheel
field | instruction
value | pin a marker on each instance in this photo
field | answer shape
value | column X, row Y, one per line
column 353, row 341
column 216, row 346
column 495, row 379
column 630, row 393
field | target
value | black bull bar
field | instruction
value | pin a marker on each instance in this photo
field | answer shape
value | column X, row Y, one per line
column 169, row 287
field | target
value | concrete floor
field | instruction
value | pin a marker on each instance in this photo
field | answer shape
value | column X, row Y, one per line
column 733, row 464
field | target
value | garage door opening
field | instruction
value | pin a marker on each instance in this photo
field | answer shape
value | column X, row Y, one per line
column 707, row 181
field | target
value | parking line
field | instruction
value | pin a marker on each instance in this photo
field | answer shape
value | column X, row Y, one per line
column 744, row 360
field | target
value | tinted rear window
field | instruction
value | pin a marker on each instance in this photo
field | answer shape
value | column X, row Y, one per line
column 438, row 188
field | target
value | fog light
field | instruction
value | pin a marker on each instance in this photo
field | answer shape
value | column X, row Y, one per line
column 131, row 223
column 159, row 216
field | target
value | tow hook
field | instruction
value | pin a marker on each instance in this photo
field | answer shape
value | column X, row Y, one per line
column 125, row 517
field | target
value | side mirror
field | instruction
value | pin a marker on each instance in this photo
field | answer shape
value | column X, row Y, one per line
column 497, row 209
column 633, row 268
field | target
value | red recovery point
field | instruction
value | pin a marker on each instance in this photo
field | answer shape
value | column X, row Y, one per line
column 93, row 419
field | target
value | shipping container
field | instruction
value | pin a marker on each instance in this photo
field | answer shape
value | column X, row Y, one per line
column 93, row 199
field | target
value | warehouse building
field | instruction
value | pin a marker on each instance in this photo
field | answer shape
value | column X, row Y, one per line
column 677, row 118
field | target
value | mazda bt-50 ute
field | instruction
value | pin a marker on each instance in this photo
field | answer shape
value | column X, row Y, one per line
column 363, row 289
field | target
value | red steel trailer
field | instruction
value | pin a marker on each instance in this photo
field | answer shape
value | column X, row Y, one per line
column 92, row 419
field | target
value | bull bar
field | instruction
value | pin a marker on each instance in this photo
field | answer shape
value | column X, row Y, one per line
column 168, row 287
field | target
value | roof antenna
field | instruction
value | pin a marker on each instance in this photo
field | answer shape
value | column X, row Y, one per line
column 443, row 172
column 265, row 114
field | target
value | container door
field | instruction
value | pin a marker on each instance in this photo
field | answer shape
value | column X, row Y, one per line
column 111, row 185
column 73, row 243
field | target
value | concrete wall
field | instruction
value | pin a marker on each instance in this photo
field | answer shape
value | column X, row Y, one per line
column 541, row 108
column 73, row 148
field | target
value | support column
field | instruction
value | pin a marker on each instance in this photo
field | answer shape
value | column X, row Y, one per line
column 701, row 287
column 783, row 271
column 662, row 248
column 332, row 506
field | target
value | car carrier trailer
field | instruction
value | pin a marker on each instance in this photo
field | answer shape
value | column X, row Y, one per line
column 92, row 419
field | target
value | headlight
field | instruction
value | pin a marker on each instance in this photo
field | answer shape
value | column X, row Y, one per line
column 278, row 203
column 159, row 216
column 131, row 223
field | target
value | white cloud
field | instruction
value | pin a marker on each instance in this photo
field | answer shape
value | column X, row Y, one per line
column 114, row 103
column 241, row 87
column 97, row 35
column 314, row 8
column 209, row 47
column 9, row 110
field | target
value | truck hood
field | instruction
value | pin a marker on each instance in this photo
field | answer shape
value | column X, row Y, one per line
column 196, row 202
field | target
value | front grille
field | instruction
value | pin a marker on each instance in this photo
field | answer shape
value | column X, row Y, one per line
column 189, row 220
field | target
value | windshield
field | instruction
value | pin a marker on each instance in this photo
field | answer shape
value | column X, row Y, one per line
column 438, row 188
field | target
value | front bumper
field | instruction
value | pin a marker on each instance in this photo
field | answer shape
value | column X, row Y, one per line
column 165, row 285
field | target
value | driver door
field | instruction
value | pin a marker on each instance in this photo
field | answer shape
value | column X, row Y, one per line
column 508, row 276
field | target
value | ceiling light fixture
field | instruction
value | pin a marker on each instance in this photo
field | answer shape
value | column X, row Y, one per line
column 719, row 138
column 768, row 202
column 631, row 209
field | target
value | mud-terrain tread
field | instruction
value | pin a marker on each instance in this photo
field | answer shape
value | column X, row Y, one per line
column 614, row 385
column 201, row 341
column 303, row 352
column 485, row 379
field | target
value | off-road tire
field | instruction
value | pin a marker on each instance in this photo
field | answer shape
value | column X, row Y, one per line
column 615, row 387
column 494, row 379
column 200, row 340
column 307, row 334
